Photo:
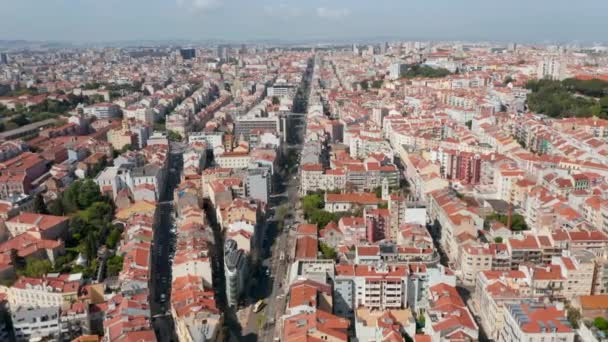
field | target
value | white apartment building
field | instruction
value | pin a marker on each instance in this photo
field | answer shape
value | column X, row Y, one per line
column 311, row 178
column 381, row 287
column 36, row 324
column 578, row 273
column 395, row 70
column 102, row 110
column 233, row 160
column 140, row 113
column 213, row 139
column 494, row 290
column 44, row 292
column 200, row 267
column 473, row 259
column 115, row 178
column 550, row 67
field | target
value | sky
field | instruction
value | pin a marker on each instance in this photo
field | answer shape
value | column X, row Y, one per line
column 296, row 20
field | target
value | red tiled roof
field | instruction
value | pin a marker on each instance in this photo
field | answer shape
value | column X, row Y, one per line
column 364, row 198
column 306, row 247
column 312, row 167
column 547, row 316
column 368, row 250
column 42, row 222
column 307, row 229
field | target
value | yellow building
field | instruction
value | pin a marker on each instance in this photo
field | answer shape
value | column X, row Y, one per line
column 119, row 138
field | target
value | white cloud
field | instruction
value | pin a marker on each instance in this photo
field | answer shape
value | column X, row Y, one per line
column 199, row 5
column 330, row 13
column 282, row 10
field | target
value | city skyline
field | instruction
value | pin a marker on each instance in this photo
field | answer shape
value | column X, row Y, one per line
column 237, row 20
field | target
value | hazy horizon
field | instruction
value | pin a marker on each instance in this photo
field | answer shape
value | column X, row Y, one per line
column 240, row 20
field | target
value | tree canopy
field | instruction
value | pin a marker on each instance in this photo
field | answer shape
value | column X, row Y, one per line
column 114, row 265
column 574, row 316
column 377, row 84
column 570, row 97
column 35, row 267
column 91, row 221
column 327, row 251
column 39, row 205
column 78, row 196
column 174, row 136
column 518, row 222
column 47, row 109
column 593, row 87
column 313, row 206
column 601, row 323
column 419, row 70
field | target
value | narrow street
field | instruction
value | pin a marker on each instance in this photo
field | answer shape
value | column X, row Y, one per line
column 262, row 326
column 277, row 246
column 162, row 248
column 279, row 272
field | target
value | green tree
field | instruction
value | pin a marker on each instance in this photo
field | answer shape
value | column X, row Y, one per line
column 114, row 237
column 518, row 222
column 114, row 265
column 377, row 84
column 88, row 193
column 96, row 98
column 98, row 212
column 174, row 136
column 604, row 104
column 90, row 244
column 378, row 191
column 36, row 268
column 39, row 205
column 311, row 203
column 574, row 316
column 498, row 239
column 261, row 321
column 91, row 86
column 321, row 218
column 420, row 322
column 55, row 207
column 563, row 99
column 69, row 198
column 327, row 251
column 593, row 87
column 419, row 70
column 20, row 120
column 282, row 212
column 601, row 323
column 126, row 148
column 275, row 100
column 62, row 263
